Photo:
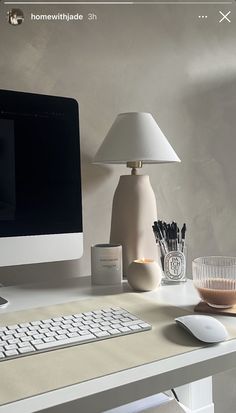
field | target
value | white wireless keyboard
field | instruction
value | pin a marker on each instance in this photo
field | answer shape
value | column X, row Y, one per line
column 43, row 335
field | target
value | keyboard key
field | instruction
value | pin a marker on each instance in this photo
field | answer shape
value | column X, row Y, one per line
column 61, row 337
column 72, row 329
column 53, row 328
column 13, row 327
column 8, row 337
column 116, row 325
column 65, row 322
column 50, row 334
column 65, row 342
column 145, row 325
column 23, row 344
column 57, row 319
column 28, row 349
column 2, row 329
column 72, row 334
column 38, row 336
column 47, row 321
column 60, row 331
column 19, row 335
column 32, row 328
column 77, row 324
column 35, row 323
column 10, row 353
column 102, row 334
column 26, row 338
column 105, row 323
column 13, row 341
column 113, row 331
column 124, row 320
column 43, row 330
column 95, row 330
column 135, row 327
column 11, row 347
column 49, row 339
column 124, row 329
column 21, row 330
column 65, row 327
column 131, row 323
column 30, row 333
column 83, row 332
column 105, row 328
column 33, row 342
column 133, row 317
column 68, row 317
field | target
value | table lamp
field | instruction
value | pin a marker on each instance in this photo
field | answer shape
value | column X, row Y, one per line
column 134, row 139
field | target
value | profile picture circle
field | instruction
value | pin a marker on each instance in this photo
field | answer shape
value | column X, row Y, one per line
column 15, row 17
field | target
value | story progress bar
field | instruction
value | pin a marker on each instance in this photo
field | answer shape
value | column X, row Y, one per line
column 121, row 2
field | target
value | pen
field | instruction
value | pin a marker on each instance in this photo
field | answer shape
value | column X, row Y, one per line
column 183, row 232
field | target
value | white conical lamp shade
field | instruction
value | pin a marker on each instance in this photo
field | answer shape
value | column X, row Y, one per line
column 135, row 136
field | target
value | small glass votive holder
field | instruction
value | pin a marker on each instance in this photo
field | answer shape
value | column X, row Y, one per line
column 174, row 267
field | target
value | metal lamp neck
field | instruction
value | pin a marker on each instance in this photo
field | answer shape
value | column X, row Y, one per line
column 134, row 165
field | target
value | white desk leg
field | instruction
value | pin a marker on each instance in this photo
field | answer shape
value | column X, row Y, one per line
column 197, row 396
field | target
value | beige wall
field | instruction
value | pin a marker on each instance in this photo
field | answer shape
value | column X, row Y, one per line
column 161, row 59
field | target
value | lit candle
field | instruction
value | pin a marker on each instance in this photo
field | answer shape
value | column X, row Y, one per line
column 144, row 260
column 144, row 274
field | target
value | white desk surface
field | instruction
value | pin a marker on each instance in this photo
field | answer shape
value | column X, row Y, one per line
column 104, row 393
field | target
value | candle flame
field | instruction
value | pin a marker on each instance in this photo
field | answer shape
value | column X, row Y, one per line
column 144, row 260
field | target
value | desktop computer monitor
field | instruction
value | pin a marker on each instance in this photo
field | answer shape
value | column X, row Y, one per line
column 40, row 179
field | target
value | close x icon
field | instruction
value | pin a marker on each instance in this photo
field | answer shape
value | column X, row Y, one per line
column 224, row 16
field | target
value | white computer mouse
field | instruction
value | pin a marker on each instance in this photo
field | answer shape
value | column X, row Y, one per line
column 204, row 328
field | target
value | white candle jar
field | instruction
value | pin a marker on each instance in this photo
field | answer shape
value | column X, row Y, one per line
column 144, row 275
column 106, row 264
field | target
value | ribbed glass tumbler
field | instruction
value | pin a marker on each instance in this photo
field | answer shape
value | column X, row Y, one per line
column 215, row 280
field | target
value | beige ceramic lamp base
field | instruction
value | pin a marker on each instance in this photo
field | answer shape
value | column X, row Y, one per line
column 133, row 213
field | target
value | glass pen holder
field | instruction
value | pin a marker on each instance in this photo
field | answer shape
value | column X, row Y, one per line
column 174, row 266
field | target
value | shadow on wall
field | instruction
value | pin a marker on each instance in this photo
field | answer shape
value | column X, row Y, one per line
column 210, row 181
column 31, row 273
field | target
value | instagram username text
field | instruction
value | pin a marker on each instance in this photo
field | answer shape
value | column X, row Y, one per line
column 62, row 17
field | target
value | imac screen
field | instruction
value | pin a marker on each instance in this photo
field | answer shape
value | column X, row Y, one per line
column 40, row 183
